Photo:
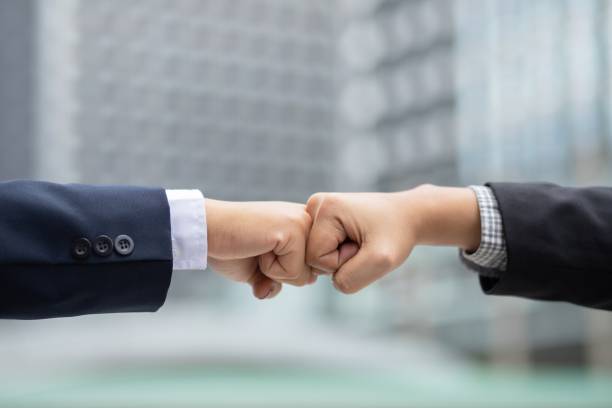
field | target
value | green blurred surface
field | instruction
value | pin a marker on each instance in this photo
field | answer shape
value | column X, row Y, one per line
column 290, row 387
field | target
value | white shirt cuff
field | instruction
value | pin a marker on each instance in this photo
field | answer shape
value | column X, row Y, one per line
column 188, row 223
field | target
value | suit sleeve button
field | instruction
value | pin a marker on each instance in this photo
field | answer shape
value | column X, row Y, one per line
column 124, row 245
column 81, row 248
column 103, row 246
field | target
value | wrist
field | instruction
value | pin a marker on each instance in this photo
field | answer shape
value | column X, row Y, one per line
column 238, row 230
column 446, row 216
column 216, row 214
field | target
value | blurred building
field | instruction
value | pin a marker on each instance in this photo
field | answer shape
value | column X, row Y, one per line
column 534, row 91
column 17, row 62
column 229, row 97
column 534, row 105
column 398, row 97
column 276, row 99
column 235, row 98
column 435, row 91
column 397, row 107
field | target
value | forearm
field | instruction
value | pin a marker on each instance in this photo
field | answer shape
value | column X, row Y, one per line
column 226, row 223
column 444, row 216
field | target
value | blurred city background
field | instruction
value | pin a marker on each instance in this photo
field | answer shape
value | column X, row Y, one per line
column 278, row 99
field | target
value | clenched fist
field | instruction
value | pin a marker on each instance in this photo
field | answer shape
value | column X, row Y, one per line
column 360, row 237
column 262, row 243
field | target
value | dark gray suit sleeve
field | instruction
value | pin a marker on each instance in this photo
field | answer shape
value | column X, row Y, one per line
column 559, row 243
column 47, row 268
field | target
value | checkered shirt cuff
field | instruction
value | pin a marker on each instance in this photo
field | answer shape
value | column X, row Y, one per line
column 491, row 258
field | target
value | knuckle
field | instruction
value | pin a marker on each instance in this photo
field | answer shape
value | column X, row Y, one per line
column 323, row 202
column 298, row 221
column 299, row 282
column 384, row 259
column 279, row 235
column 345, row 285
column 425, row 187
column 330, row 200
column 314, row 200
column 311, row 258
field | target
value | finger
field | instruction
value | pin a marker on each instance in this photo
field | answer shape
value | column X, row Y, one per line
column 362, row 269
column 320, row 272
column 277, row 269
column 264, row 287
column 287, row 262
column 324, row 240
column 312, row 280
column 271, row 267
column 276, row 289
column 348, row 249
column 292, row 258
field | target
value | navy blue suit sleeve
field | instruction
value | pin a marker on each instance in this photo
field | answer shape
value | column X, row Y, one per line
column 39, row 224
column 559, row 243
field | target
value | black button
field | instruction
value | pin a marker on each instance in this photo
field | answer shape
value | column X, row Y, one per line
column 103, row 246
column 81, row 248
column 124, row 245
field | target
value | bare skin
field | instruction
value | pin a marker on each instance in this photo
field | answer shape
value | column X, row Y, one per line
column 261, row 243
column 360, row 237
column 356, row 237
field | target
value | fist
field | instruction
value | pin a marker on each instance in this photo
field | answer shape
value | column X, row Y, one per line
column 259, row 243
column 358, row 237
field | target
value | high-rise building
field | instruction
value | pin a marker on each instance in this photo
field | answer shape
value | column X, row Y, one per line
column 276, row 99
column 397, row 99
column 462, row 93
column 236, row 98
column 533, row 105
column 398, row 110
column 533, row 85
column 230, row 97
column 17, row 60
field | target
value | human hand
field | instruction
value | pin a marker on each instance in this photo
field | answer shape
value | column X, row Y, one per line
column 262, row 243
column 360, row 237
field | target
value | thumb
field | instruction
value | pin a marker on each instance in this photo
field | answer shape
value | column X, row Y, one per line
column 343, row 253
column 346, row 251
column 264, row 287
column 328, row 246
column 364, row 267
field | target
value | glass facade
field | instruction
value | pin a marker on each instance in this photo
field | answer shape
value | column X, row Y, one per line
column 533, row 105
